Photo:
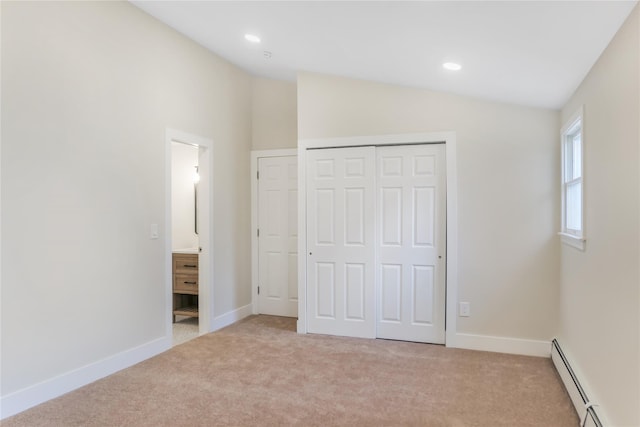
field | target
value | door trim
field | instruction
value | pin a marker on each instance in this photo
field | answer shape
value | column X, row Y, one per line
column 205, row 300
column 449, row 139
column 255, row 155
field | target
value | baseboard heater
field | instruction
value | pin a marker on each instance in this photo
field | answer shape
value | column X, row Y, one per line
column 584, row 407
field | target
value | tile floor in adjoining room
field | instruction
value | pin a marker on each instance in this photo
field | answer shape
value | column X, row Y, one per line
column 184, row 329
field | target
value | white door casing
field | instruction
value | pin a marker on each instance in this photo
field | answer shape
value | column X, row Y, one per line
column 205, row 230
column 278, row 236
column 411, row 246
column 341, row 241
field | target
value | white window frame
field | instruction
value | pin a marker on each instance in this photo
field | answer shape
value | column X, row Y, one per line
column 575, row 125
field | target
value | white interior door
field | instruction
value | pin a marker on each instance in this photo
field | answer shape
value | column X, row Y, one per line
column 278, row 236
column 341, row 241
column 411, row 227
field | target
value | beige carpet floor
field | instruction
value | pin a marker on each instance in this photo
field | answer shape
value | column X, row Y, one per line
column 259, row 372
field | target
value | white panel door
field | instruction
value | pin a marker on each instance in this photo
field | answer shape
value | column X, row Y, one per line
column 411, row 242
column 341, row 241
column 278, row 238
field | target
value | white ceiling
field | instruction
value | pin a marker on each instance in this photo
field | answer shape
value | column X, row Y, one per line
column 530, row 53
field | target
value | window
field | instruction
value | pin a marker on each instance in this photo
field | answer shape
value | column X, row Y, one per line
column 572, row 232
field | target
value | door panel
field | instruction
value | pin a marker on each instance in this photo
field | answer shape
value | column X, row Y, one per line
column 325, row 218
column 391, row 298
column 278, row 239
column 423, row 225
column 422, row 287
column 354, row 216
column 391, row 216
column 326, row 290
column 411, row 242
column 341, row 241
column 355, row 285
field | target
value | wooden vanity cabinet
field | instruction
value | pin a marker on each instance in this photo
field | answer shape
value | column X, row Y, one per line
column 185, row 285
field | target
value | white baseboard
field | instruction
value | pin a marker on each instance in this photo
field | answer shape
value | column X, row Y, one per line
column 504, row 345
column 232, row 316
column 31, row 396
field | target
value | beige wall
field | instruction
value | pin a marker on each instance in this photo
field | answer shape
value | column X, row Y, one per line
column 507, row 190
column 600, row 300
column 274, row 114
column 92, row 87
column 88, row 89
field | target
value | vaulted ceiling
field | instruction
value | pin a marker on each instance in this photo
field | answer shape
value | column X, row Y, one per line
column 528, row 53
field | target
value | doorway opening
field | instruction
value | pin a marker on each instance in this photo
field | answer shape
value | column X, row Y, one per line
column 188, row 253
column 185, row 241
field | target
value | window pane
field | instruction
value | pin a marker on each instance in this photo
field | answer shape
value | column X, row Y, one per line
column 574, row 206
column 568, row 159
column 576, row 160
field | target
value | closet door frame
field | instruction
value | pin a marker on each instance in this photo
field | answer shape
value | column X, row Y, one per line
column 449, row 139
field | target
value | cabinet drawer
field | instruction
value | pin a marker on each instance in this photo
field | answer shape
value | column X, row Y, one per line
column 187, row 283
column 185, row 263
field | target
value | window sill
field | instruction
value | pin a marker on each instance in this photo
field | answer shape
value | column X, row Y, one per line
column 574, row 241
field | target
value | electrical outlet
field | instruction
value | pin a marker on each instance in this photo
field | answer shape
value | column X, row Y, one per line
column 153, row 231
column 464, row 309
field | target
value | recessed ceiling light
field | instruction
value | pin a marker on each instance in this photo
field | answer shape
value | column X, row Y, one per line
column 252, row 38
column 452, row 66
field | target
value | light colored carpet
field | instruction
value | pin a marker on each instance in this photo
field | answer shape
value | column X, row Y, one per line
column 259, row 372
column 184, row 329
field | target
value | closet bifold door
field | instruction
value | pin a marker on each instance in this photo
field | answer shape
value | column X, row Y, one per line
column 411, row 242
column 341, row 241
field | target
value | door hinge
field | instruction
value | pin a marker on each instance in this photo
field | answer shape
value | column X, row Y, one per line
column 258, row 175
column 258, row 234
column 258, row 290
